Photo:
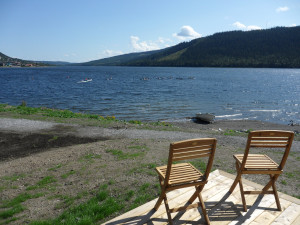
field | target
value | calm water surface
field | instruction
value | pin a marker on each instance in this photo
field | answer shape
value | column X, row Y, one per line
column 143, row 93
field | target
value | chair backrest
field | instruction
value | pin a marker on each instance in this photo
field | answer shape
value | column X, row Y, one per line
column 192, row 149
column 269, row 139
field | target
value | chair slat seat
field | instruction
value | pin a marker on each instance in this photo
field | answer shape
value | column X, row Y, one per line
column 182, row 173
column 257, row 161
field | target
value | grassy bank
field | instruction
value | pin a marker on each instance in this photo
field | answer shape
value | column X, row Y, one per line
column 66, row 116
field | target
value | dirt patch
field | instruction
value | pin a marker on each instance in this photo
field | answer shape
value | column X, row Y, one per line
column 16, row 145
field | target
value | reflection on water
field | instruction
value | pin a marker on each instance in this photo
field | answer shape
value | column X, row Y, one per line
column 158, row 93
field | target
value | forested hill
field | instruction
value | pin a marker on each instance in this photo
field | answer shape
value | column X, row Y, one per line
column 276, row 47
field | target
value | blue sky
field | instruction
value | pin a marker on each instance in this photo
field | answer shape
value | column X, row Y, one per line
column 84, row 30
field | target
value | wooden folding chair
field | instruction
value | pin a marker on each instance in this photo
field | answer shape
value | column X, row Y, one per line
column 262, row 164
column 181, row 175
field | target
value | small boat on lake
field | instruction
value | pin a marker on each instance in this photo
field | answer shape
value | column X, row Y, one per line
column 206, row 117
column 84, row 81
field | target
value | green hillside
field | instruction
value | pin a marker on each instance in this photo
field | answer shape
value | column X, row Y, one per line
column 277, row 47
column 15, row 62
column 118, row 60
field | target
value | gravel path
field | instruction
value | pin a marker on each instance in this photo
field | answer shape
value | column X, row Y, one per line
column 31, row 126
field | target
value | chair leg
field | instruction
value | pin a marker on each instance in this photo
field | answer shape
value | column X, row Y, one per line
column 275, row 193
column 159, row 201
column 194, row 196
column 241, row 187
column 203, row 208
column 243, row 195
column 168, row 210
column 162, row 194
column 238, row 177
column 269, row 184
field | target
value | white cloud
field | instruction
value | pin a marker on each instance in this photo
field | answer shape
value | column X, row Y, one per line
column 239, row 25
column 244, row 27
column 282, row 9
column 293, row 25
column 187, row 32
column 253, row 27
column 140, row 46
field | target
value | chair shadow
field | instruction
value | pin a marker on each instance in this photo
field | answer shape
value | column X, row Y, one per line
column 136, row 220
column 221, row 210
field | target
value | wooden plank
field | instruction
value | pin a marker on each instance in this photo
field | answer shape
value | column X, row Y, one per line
column 191, row 157
column 268, row 216
column 203, row 148
column 267, row 146
column 192, row 142
column 206, row 193
column 261, row 172
column 160, row 215
column 270, row 138
column 296, row 221
column 255, row 210
column 228, row 208
column 279, row 142
column 210, row 200
column 146, row 208
column 195, row 153
column 220, row 213
column 288, row 216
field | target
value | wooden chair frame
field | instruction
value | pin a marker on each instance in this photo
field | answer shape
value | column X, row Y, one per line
column 181, row 175
column 262, row 164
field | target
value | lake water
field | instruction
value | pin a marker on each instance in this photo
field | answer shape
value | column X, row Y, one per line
column 151, row 94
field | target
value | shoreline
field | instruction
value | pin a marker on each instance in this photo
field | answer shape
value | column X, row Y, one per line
column 19, row 135
column 236, row 125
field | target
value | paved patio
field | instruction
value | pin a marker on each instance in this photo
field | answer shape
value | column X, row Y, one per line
column 222, row 208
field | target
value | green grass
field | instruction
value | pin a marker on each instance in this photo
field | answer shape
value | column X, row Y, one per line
column 25, row 110
column 90, row 157
column 230, row 133
column 142, row 196
column 14, row 177
column 55, row 167
column 104, row 203
column 290, row 175
column 42, row 183
column 296, row 196
column 54, row 138
column 120, row 155
column 135, row 122
column 283, row 182
column 66, row 201
column 148, row 169
column 14, row 206
column 199, row 164
column 138, row 150
column 139, row 147
column 95, row 209
column 66, row 175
